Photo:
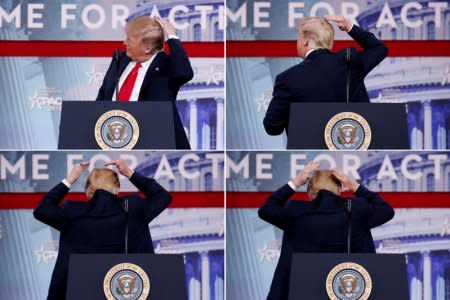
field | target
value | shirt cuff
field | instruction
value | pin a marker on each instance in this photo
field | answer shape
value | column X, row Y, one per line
column 173, row 37
column 357, row 188
column 292, row 186
column 66, row 183
column 351, row 27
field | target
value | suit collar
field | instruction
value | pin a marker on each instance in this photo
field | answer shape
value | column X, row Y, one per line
column 316, row 52
column 124, row 61
column 152, row 69
column 327, row 200
column 104, row 203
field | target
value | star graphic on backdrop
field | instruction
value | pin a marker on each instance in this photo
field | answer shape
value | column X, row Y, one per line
column 446, row 78
column 215, row 78
column 44, row 255
column 445, row 227
column 221, row 229
column 262, row 103
column 34, row 101
column 268, row 254
column 95, row 76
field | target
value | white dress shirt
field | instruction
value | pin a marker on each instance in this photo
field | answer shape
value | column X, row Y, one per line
column 292, row 186
column 139, row 79
column 66, row 183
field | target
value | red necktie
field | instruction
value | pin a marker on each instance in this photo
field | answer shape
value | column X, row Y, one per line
column 128, row 84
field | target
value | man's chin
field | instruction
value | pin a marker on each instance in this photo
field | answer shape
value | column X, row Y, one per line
column 129, row 55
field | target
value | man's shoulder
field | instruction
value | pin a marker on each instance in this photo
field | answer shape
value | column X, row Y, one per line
column 73, row 208
column 292, row 70
column 291, row 73
column 75, row 204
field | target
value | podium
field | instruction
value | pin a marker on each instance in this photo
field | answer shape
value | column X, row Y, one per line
column 308, row 124
column 310, row 275
column 87, row 272
column 154, row 120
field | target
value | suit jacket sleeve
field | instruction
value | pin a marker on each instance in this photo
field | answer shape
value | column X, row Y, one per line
column 49, row 211
column 157, row 198
column 274, row 210
column 374, row 50
column 180, row 66
column 379, row 211
column 277, row 115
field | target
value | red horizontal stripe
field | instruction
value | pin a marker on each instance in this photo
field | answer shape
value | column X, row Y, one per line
column 94, row 48
column 210, row 49
column 179, row 199
column 396, row 199
column 289, row 48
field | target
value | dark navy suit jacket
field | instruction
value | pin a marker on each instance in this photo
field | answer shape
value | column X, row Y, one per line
column 322, row 77
column 165, row 76
column 98, row 226
column 321, row 225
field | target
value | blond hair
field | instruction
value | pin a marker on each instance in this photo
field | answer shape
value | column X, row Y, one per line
column 102, row 178
column 150, row 32
column 318, row 30
column 323, row 180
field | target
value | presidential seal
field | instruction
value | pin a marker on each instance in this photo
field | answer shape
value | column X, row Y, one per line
column 116, row 129
column 347, row 131
column 126, row 281
column 348, row 281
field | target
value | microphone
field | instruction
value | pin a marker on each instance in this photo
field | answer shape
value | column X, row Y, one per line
column 125, row 208
column 349, row 224
column 116, row 57
column 347, row 59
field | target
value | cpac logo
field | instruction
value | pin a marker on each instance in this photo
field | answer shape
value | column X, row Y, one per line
column 270, row 251
column 46, row 252
column 46, row 99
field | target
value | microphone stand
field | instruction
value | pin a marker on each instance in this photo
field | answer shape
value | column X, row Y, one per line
column 349, row 224
column 347, row 59
column 117, row 59
column 125, row 208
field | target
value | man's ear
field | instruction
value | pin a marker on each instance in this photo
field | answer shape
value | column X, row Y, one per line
column 306, row 42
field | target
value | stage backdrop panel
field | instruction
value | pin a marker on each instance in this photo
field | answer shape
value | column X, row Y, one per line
column 261, row 44
column 192, row 226
column 415, row 183
column 38, row 74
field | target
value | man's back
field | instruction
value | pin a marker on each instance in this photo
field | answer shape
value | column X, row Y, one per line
column 323, row 77
column 98, row 226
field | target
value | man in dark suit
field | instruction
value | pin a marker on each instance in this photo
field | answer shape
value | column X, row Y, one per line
column 322, row 75
column 145, row 72
column 321, row 225
column 98, row 226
